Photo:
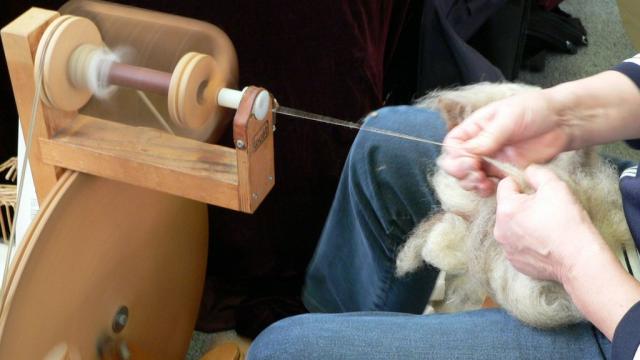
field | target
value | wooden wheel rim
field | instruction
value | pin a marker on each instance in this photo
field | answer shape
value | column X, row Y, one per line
column 68, row 284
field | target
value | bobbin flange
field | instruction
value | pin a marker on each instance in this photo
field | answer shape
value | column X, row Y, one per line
column 53, row 55
column 195, row 82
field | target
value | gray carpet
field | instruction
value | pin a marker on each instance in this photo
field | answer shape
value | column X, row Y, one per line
column 608, row 45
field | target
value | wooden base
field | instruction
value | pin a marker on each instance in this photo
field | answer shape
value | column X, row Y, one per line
column 96, row 246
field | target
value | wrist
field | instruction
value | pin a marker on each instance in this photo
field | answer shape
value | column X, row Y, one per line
column 564, row 104
column 599, row 286
column 595, row 110
column 591, row 252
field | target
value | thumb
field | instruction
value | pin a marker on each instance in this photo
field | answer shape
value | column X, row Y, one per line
column 537, row 175
column 489, row 139
column 507, row 188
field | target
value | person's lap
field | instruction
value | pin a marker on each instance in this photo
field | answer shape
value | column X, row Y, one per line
column 383, row 193
column 483, row 334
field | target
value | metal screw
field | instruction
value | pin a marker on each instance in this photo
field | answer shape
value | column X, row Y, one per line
column 120, row 319
column 270, row 178
column 240, row 144
column 255, row 196
column 123, row 351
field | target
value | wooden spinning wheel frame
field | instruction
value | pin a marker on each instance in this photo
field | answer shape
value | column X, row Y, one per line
column 113, row 265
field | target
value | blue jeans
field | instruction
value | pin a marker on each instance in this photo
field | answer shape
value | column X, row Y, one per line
column 382, row 195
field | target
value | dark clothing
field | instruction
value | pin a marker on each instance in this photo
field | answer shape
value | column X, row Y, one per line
column 626, row 339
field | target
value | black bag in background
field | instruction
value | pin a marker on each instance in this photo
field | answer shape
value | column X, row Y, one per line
column 551, row 31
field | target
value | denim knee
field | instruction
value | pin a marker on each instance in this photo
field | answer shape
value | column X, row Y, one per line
column 390, row 173
column 383, row 130
column 288, row 338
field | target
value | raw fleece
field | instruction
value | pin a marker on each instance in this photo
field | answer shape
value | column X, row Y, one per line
column 459, row 238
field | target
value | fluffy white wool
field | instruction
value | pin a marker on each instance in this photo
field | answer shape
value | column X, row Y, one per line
column 459, row 240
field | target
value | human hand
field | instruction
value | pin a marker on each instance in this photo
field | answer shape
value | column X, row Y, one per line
column 542, row 233
column 520, row 130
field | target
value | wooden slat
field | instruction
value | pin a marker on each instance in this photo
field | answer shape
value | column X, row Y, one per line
column 146, row 157
column 20, row 39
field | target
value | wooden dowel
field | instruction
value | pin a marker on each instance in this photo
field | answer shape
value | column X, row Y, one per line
column 139, row 78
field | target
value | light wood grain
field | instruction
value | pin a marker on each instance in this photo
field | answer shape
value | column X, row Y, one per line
column 147, row 158
column 256, row 168
column 20, row 39
column 237, row 179
column 100, row 245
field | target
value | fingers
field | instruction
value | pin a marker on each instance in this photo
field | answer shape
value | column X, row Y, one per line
column 538, row 175
column 508, row 198
column 461, row 133
column 472, row 180
column 489, row 140
column 470, row 128
column 507, row 189
column 468, row 170
column 483, row 132
column 479, row 184
column 460, row 166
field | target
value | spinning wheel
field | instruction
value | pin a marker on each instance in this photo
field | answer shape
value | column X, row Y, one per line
column 113, row 265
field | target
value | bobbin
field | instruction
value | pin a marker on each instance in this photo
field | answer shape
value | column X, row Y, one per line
column 194, row 82
column 76, row 65
column 58, row 43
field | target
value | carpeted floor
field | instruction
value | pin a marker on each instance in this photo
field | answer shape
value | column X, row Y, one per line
column 608, row 45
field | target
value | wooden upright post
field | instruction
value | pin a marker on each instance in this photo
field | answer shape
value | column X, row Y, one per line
column 20, row 40
column 254, row 149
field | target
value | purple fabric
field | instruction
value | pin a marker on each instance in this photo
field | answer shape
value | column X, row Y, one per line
column 632, row 71
column 626, row 338
column 626, row 341
column 549, row 4
column 327, row 57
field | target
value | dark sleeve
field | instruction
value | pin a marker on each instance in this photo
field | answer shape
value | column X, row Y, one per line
column 631, row 68
column 626, row 338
